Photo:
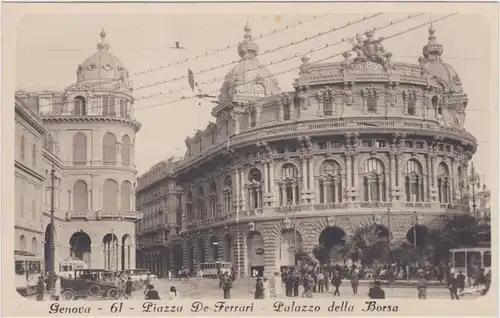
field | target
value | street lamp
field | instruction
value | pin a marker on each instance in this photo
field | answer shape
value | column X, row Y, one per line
column 415, row 230
column 473, row 180
column 51, row 244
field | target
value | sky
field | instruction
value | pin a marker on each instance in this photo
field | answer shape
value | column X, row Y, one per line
column 51, row 47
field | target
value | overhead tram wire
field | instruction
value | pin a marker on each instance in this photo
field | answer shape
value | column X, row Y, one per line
column 343, row 40
column 295, row 68
column 308, row 38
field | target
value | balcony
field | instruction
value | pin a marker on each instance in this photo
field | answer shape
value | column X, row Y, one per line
column 151, row 242
column 97, row 215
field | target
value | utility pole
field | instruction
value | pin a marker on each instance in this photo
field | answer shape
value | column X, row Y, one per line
column 51, row 243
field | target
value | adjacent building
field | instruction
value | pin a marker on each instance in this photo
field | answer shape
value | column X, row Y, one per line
column 87, row 132
column 362, row 142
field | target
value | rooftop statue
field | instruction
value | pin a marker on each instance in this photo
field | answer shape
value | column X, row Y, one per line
column 371, row 49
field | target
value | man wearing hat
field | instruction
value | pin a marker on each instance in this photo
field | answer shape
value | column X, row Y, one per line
column 376, row 292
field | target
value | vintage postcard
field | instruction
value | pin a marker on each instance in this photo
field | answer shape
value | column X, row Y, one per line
column 249, row 159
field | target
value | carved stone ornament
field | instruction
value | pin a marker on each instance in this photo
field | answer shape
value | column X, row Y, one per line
column 412, row 93
column 251, row 227
column 347, row 94
column 377, row 219
column 371, row 49
column 303, row 96
column 392, row 93
column 370, row 91
column 286, row 99
column 287, row 223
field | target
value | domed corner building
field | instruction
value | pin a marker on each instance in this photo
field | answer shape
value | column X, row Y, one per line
column 362, row 142
column 92, row 129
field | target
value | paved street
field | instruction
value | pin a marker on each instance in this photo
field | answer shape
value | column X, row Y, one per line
column 243, row 289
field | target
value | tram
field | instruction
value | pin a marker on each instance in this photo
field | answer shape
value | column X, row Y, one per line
column 67, row 267
column 27, row 271
column 470, row 260
column 215, row 269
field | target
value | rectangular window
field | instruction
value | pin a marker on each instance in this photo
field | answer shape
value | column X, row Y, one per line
column 380, row 143
column 34, row 155
column 33, row 210
column 419, row 145
column 366, row 143
column 21, row 205
column 409, row 144
column 336, row 144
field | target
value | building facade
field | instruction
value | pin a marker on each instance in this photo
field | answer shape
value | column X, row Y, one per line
column 159, row 199
column 91, row 128
column 362, row 142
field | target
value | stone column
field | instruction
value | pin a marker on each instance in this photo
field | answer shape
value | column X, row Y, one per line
column 236, row 191
column 311, row 171
column 392, row 169
column 272, row 183
column 104, row 256
column 355, row 175
column 280, row 112
column 270, row 257
column 70, row 201
column 242, row 189
column 304, row 172
column 348, row 172
column 266, row 178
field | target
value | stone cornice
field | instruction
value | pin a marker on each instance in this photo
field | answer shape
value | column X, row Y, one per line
column 92, row 119
column 32, row 119
column 21, row 166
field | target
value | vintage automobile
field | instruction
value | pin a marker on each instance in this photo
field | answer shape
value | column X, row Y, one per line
column 89, row 282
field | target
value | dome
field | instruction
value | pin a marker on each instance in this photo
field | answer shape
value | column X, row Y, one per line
column 102, row 65
column 249, row 79
column 434, row 66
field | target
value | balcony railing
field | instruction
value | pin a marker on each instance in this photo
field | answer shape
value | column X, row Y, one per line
column 96, row 215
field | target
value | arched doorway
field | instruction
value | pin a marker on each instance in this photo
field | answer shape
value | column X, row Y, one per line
column 214, row 246
column 178, row 257
column 126, row 250
column 290, row 243
column 200, row 251
column 331, row 240
column 417, row 236
column 110, row 242
column 228, row 248
column 80, row 246
column 255, row 253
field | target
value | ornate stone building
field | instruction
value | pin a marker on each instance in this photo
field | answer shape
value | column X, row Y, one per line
column 365, row 141
column 91, row 128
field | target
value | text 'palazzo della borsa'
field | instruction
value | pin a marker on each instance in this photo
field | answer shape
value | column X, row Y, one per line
column 364, row 141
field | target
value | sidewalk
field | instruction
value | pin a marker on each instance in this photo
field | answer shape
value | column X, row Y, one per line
column 397, row 283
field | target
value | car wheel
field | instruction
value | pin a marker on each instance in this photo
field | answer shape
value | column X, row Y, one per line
column 113, row 293
column 94, row 290
column 68, row 294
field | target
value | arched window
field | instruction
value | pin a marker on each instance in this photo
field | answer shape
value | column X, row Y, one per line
column 330, row 183
column 126, row 150
column 374, row 180
column 227, row 191
column 461, row 183
column 414, row 181
column 79, row 149
column 23, row 147
column 289, row 194
column 80, row 196
column 213, row 200
column 33, row 154
column 110, row 196
column 105, row 106
column 287, row 111
column 34, row 246
column 253, row 118
column 254, row 189
column 258, row 91
column 22, row 243
column 109, row 149
column 443, row 180
column 80, row 107
column 189, row 206
column 201, row 203
column 411, row 105
column 125, row 193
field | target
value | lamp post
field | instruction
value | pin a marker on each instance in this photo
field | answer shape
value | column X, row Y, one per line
column 51, row 243
column 415, row 229
column 473, row 180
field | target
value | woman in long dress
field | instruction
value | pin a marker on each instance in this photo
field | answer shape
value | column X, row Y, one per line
column 267, row 289
column 278, row 287
column 57, row 288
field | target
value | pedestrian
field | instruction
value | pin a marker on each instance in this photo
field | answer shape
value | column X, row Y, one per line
column 321, row 282
column 461, row 281
column 227, row 284
column 452, row 286
column 296, row 284
column 278, row 288
column 336, row 281
column 173, row 293
column 151, row 293
column 169, row 273
column 57, row 288
column 40, row 289
column 149, row 282
column 354, row 281
column 128, row 288
column 422, row 286
column 376, row 292
column 259, row 289
column 267, row 288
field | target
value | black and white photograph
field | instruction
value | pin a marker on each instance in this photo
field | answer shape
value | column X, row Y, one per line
column 322, row 156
